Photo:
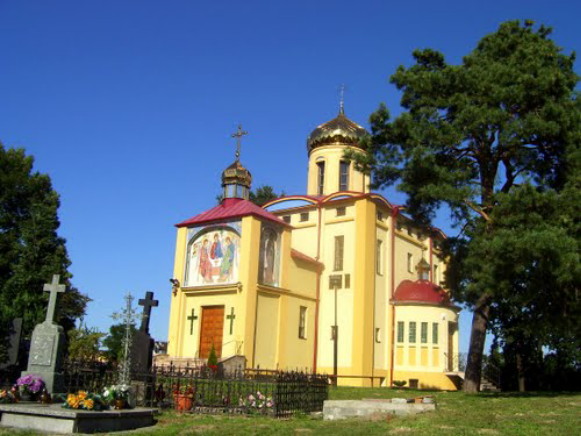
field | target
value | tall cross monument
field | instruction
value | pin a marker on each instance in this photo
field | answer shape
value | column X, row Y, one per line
column 47, row 343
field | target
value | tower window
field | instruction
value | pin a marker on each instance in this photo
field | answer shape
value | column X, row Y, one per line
column 304, row 216
column 341, row 211
column 339, row 243
column 410, row 262
column 343, row 176
column 286, row 219
column 321, row 178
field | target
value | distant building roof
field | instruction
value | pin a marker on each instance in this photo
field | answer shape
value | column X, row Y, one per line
column 231, row 208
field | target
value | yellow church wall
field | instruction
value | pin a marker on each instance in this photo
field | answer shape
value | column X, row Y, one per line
column 345, row 301
column 426, row 380
column 364, row 286
column 297, row 353
column 332, row 156
column 249, row 249
column 177, row 299
column 405, row 246
column 381, row 304
column 304, row 238
column 267, row 331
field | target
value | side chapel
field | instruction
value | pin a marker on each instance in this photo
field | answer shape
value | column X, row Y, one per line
column 337, row 281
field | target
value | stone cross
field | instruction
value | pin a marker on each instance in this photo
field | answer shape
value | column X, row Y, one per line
column 231, row 318
column 238, row 135
column 148, row 302
column 192, row 318
column 54, row 288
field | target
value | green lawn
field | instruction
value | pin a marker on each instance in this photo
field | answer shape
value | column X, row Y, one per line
column 457, row 414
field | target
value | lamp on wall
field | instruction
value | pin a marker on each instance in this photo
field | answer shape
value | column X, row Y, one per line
column 175, row 285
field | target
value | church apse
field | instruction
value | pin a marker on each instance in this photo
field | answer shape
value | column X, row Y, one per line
column 212, row 255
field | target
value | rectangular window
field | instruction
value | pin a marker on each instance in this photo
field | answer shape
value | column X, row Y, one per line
column 410, row 262
column 379, row 257
column 434, row 333
column 412, row 333
column 436, row 279
column 379, row 216
column 341, row 211
column 286, row 219
column 400, row 331
column 321, row 178
column 343, row 176
column 424, row 333
column 303, row 322
column 304, row 216
column 347, row 281
column 377, row 335
column 339, row 243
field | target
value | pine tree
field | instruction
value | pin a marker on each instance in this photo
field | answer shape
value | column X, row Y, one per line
column 472, row 132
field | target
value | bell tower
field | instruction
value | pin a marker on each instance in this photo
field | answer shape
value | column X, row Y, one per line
column 329, row 171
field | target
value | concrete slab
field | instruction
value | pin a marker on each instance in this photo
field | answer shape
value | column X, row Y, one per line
column 344, row 409
column 55, row 419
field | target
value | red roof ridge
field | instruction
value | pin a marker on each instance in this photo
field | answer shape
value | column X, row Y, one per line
column 232, row 208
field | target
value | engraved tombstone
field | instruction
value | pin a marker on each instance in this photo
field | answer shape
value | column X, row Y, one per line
column 47, row 344
column 143, row 344
column 13, row 343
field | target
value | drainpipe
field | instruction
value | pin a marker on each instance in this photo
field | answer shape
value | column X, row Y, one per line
column 431, row 263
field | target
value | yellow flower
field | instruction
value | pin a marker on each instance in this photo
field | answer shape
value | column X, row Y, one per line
column 89, row 404
column 82, row 395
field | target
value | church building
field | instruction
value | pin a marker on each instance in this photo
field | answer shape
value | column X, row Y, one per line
column 336, row 281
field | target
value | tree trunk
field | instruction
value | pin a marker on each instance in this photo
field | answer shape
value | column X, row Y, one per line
column 476, row 350
column 520, row 371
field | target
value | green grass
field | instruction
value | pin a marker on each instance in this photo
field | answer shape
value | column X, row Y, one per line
column 457, row 414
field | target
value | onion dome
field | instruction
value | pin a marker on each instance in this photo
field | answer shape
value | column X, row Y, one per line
column 236, row 181
column 339, row 130
column 422, row 292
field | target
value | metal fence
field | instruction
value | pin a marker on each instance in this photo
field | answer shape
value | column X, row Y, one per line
column 206, row 390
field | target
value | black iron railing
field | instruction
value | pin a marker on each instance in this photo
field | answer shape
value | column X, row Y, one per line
column 200, row 389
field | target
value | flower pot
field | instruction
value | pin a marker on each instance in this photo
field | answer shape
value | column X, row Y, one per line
column 119, row 404
column 183, row 402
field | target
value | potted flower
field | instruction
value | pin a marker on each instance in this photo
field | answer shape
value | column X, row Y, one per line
column 183, row 398
column 29, row 386
column 117, row 396
column 213, row 361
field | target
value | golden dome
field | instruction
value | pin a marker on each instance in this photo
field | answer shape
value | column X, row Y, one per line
column 339, row 130
column 236, row 174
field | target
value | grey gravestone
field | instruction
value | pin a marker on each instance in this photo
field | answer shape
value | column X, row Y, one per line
column 142, row 344
column 13, row 339
column 47, row 344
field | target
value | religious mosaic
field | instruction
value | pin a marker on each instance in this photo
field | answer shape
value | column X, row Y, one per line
column 212, row 255
column 269, row 262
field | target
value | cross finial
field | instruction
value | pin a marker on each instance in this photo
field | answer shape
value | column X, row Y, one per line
column 54, row 288
column 342, row 99
column 238, row 135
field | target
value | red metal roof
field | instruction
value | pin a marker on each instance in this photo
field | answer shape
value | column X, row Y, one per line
column 299, row 255
column 232, row 208
column 421, row 291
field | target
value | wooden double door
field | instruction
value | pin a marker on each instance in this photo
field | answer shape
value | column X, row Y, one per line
column 212, row 328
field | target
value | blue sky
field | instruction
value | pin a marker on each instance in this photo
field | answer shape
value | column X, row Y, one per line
column 129, row 107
